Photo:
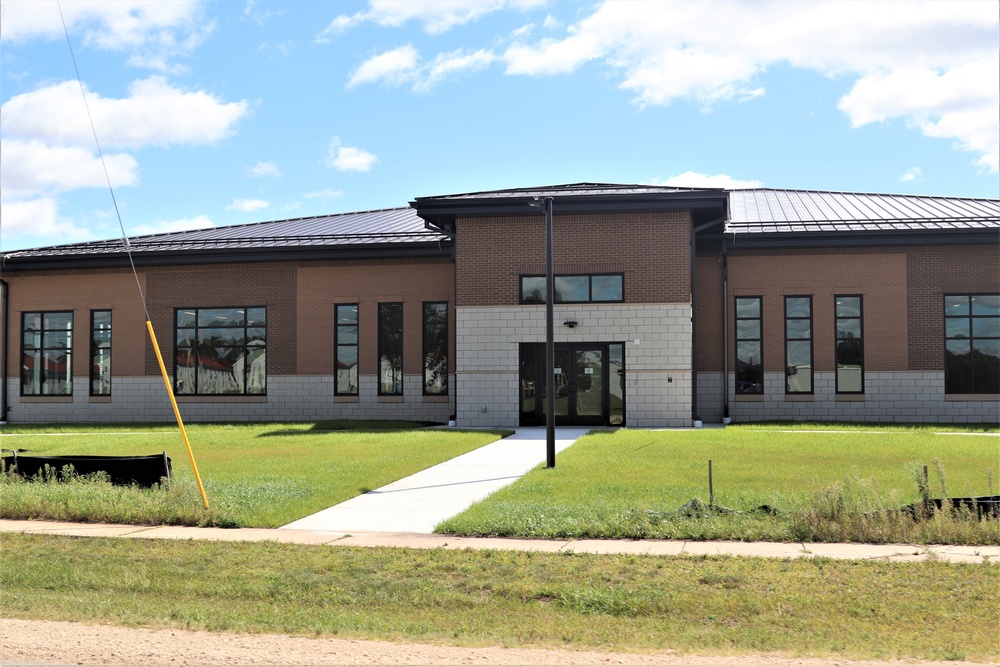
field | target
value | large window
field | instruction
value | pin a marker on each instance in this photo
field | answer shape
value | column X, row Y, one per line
column 575, row 289
column 220, row 351
column 972, row 344
column 436, row 348
column 47, row 354
column 100, row 353
column 346, row 344
column 749, row 346
column 798, row 345
column 850, row 345
column 390, row 349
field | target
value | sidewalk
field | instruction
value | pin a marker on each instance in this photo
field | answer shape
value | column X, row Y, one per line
column 880, row 552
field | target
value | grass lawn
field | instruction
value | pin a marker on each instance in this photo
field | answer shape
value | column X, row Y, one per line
column 262, row 475
column 817, row 607
column 826, row 483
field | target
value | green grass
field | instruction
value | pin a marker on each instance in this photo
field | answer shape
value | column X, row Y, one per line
column 826, row 485
column 262, row 475
column 820, row 607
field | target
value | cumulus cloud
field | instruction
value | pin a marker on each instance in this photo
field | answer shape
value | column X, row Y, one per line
column 35, row 222
column 168, row 226
column 437, row 16
column 403, row 67
column 154, row 113
column 914, row 174
column 326, row 193
column 264, row 169
column 393, row 67
column 30, row 168
column 348, row 158
column 692, row 179
column 248, row 205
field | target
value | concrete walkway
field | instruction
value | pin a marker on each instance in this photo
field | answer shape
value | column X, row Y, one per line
column 417, row 503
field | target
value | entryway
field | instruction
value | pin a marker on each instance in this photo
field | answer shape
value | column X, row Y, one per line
column 590, row 384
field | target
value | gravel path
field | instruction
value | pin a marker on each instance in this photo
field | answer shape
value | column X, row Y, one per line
column 45, row 642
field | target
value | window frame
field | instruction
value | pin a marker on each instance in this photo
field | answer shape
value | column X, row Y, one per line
column 95, row 349
column 737, row 340
column 590, row 288
column 398, row 388
column 811, row 339
column 426, row 351
column 42, row 314
column 337, row 345
column 837, row 340
column 971, row 338
column 197, row 359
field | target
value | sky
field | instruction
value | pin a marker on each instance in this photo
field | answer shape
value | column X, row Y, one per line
column 240, row 111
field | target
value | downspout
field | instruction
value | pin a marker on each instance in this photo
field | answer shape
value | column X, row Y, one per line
column 695, row 418
column 5, row 296
column 725, row 333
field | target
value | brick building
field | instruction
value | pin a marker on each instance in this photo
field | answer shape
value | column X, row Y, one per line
column 672, row 305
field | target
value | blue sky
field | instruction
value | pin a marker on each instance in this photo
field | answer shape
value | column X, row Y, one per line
column 218, row 113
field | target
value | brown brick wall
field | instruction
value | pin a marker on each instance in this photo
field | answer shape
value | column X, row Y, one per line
column 82, row 291
column 933, row 272
column 367, row 283
column 651, row 249
column 879, row 274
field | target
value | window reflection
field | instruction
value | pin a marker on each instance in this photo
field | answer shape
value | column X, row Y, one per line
column 972, row 344
column 219, row 353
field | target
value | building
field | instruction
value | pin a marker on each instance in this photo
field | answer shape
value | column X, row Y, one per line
column 672, row 306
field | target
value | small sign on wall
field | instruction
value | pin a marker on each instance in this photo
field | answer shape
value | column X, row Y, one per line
column 588, row 371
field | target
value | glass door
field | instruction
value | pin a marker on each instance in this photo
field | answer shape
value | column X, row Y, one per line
column 583, row 392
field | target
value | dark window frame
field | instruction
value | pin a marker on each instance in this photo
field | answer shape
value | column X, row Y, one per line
column 971, row 318
column 590, row 288
column 337, row 345
column 95, row 351
column 398, row 389
column 42, row 349
column 812, row 351
column 837, row 341
column 246, row 347
column 757, row 391
column 428, row 346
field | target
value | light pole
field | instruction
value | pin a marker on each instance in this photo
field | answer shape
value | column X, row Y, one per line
column 550, row 344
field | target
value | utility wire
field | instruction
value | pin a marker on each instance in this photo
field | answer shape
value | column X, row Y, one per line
column 100, row 153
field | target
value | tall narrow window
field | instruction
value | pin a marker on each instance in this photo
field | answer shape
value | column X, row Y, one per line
column 390, row 349
column 436, row 348
column 100, row 353
column 749, row 346
column 798, row 345
column 346, row 344
column 972, row 344
column 850, row 345
column 220, row 351
column 47, row 354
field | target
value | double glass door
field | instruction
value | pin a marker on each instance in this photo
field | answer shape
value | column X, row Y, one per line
column 589, row 384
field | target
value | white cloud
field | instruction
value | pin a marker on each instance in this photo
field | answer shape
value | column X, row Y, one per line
column 932, row 64
column 326, row 193
column 348, row 158
column 154, row 113
column 35, row 222
column 692, row 179
column 166, row 227
column 248, row 205
column 30, row 168
column 437, row 16
column 402, row 66
column 264, row 169
column 153, row 31
column 393, row 67
column 913, row 174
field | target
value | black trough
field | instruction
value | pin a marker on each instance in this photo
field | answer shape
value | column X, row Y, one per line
column 984, row 507
column 123, row 470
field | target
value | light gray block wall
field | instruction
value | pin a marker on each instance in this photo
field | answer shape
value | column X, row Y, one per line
column 289, row 398
column 902, row 396
column 658, row 367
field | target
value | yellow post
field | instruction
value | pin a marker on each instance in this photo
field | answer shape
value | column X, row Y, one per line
column 177, row 412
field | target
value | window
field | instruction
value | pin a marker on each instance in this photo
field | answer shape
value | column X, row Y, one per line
column 574, row 289
column 972, row 344
column 47, row 354
column 220, row 351
column 850, row 350
column 346, row 344
column 100, row 353
column 436, row 348
column 798, row 345
column 390, row 349
column 749, row 346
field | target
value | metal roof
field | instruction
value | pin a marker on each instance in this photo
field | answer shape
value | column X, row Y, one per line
column 568, row 190
column 770, row 211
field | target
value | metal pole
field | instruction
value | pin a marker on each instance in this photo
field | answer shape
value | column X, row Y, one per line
column 550, row 344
